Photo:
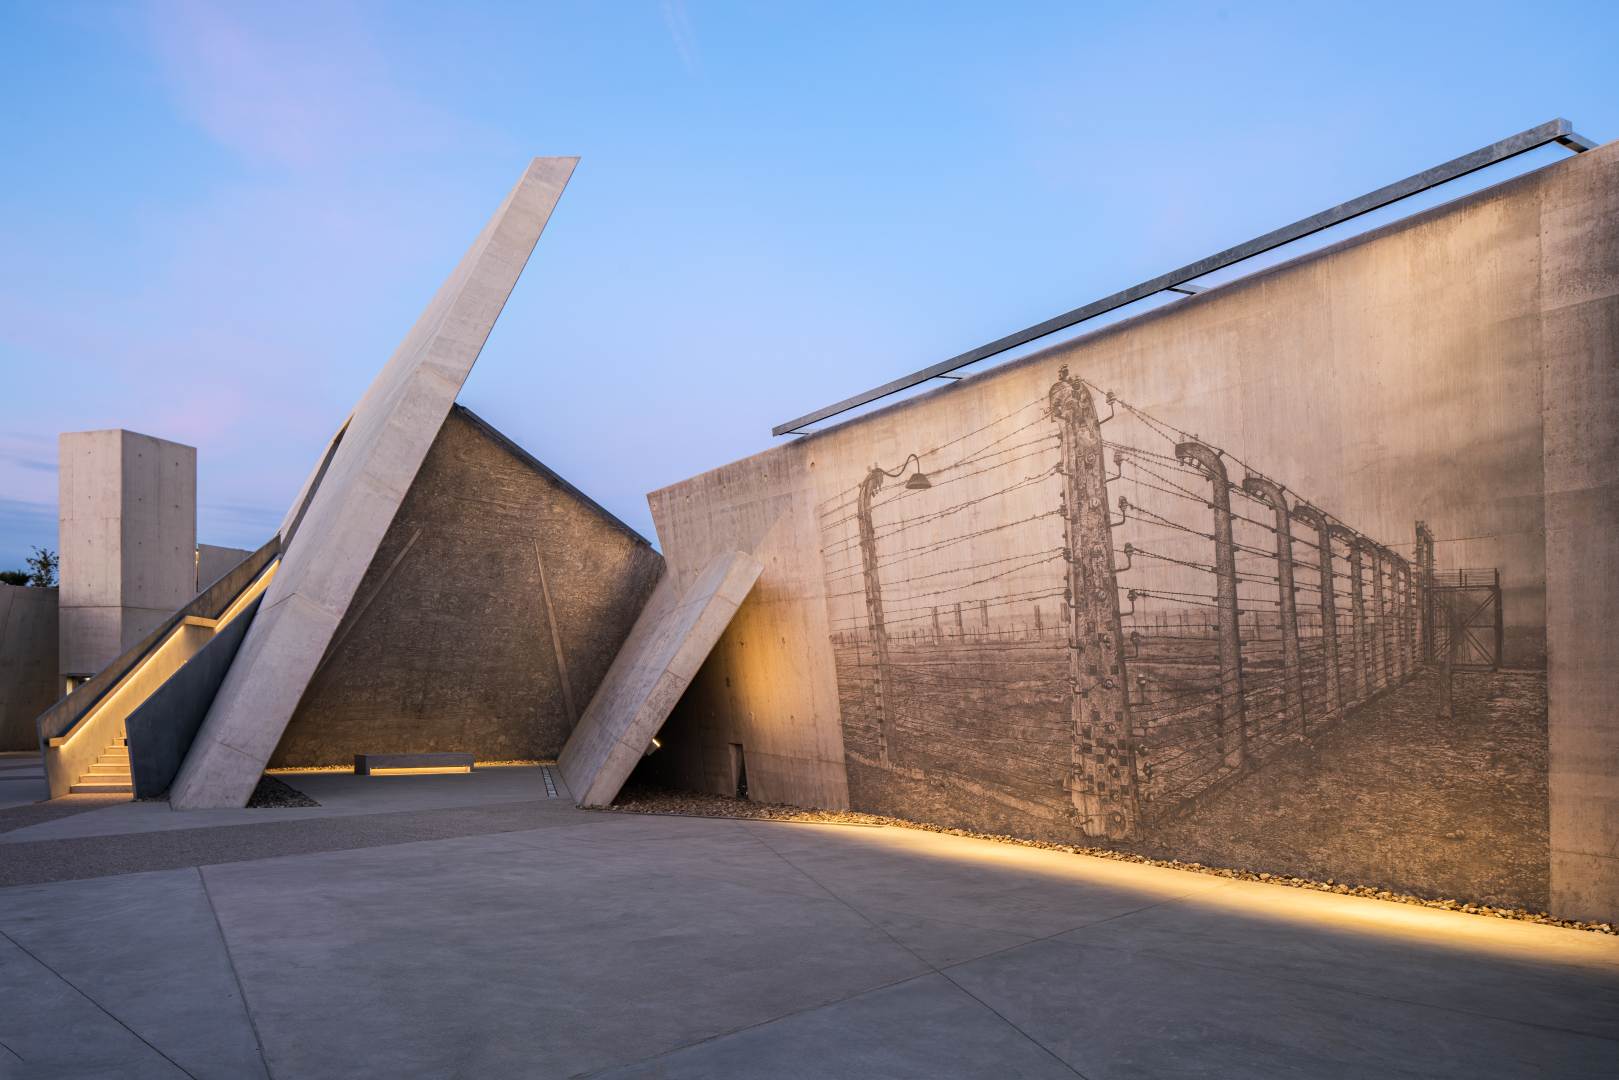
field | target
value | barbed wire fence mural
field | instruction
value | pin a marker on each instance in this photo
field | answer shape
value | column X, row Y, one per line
column 1098, row 620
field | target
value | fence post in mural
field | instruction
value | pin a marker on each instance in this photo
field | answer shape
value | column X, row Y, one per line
column 1271, row 495
column 1102, row 777
column 938, row 632
column 1230, row 709
column 874, row 612
column 1425, row 590
column 1380, row 643
column 1329, row 604
column 961, row 629
column 1357, row 612
column 1407, row 631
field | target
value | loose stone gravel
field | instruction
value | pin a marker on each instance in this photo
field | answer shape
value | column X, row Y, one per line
column 697, row 804
column 272, row 793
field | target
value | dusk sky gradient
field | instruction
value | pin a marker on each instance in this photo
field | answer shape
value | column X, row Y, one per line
column 218, row 220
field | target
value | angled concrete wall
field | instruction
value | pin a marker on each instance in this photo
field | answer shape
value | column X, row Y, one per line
column 493, row 607
column 128, row 534
column 161, row 729
column 671, row 640
column 29, row 681
column 353, row 496
column 1456, row 367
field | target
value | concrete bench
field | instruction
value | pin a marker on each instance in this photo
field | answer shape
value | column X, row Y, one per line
column 410, row 764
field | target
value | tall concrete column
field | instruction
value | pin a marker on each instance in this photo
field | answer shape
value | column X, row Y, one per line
column 1329, row 604
column 1232, row 710
column 1102, row 780
column 1357, row 612
column 874, row 612
column 1292, row 667
column 128, row 541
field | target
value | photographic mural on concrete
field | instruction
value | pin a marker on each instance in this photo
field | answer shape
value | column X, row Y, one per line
column 1081, row 623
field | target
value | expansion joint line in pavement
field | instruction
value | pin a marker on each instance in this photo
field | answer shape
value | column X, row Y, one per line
column 942, row 972
column 69, row 983
column 241, row 989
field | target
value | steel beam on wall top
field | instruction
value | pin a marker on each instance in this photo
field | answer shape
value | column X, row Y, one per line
column 1557, row 131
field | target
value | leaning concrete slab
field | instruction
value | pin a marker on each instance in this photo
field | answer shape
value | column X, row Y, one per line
column 670, row 641
column 350, row 501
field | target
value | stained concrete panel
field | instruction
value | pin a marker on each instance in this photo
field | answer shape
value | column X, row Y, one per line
column 1454, row 367
column 127, row 539
column 28, row 677
column 354, row 497
column 670, row 641
column 487, row 619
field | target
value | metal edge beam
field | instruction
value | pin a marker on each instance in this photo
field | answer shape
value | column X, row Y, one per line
column 1558, row 131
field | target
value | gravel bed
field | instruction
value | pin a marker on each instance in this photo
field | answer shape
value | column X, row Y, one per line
column 697, row 804
column 272, row 793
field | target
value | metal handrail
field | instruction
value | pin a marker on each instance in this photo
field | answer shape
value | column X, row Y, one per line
column 1558, row 131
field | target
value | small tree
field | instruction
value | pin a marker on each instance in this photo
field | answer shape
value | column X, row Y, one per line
column 42, row 566
column 14, row 577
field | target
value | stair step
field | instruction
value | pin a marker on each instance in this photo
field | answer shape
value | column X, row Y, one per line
column 98, row 769
column 106, row 759
column 100, row 788
column 116, row 751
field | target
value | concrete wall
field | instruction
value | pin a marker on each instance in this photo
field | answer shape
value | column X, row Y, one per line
column 28, row 679
column 161, row 728
column 214, row 562
column 1454, row 368
column 1580, row 403
column 449, row 645
column 128, row 535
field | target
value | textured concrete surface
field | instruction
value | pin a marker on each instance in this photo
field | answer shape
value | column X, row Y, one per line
column 1581, row 405
column 1454, row 367
column 487, row 619
column 161, row 728
column 127, row 536
column 213, row 562
column 352, row 499
column 598, row 944
column 670, row 641
column 29, row 678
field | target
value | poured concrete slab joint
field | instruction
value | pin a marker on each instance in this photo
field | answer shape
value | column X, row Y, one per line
column 670, row 641
column 353, row 499
column 128, row 535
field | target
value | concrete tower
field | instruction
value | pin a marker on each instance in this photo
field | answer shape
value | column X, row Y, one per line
column 128, row 540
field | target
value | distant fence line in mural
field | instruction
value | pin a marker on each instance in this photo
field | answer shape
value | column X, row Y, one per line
column 1103, row 630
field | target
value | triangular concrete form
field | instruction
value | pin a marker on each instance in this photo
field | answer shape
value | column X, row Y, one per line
column 340, row 518
column 671, row 639
column 487, row 619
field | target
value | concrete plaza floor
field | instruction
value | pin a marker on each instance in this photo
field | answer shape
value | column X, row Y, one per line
column 469, row 926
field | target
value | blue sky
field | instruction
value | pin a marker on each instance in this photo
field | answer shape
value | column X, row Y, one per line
column 218, row 220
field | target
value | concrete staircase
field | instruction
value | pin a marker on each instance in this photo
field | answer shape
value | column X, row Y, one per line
column 110, row 772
